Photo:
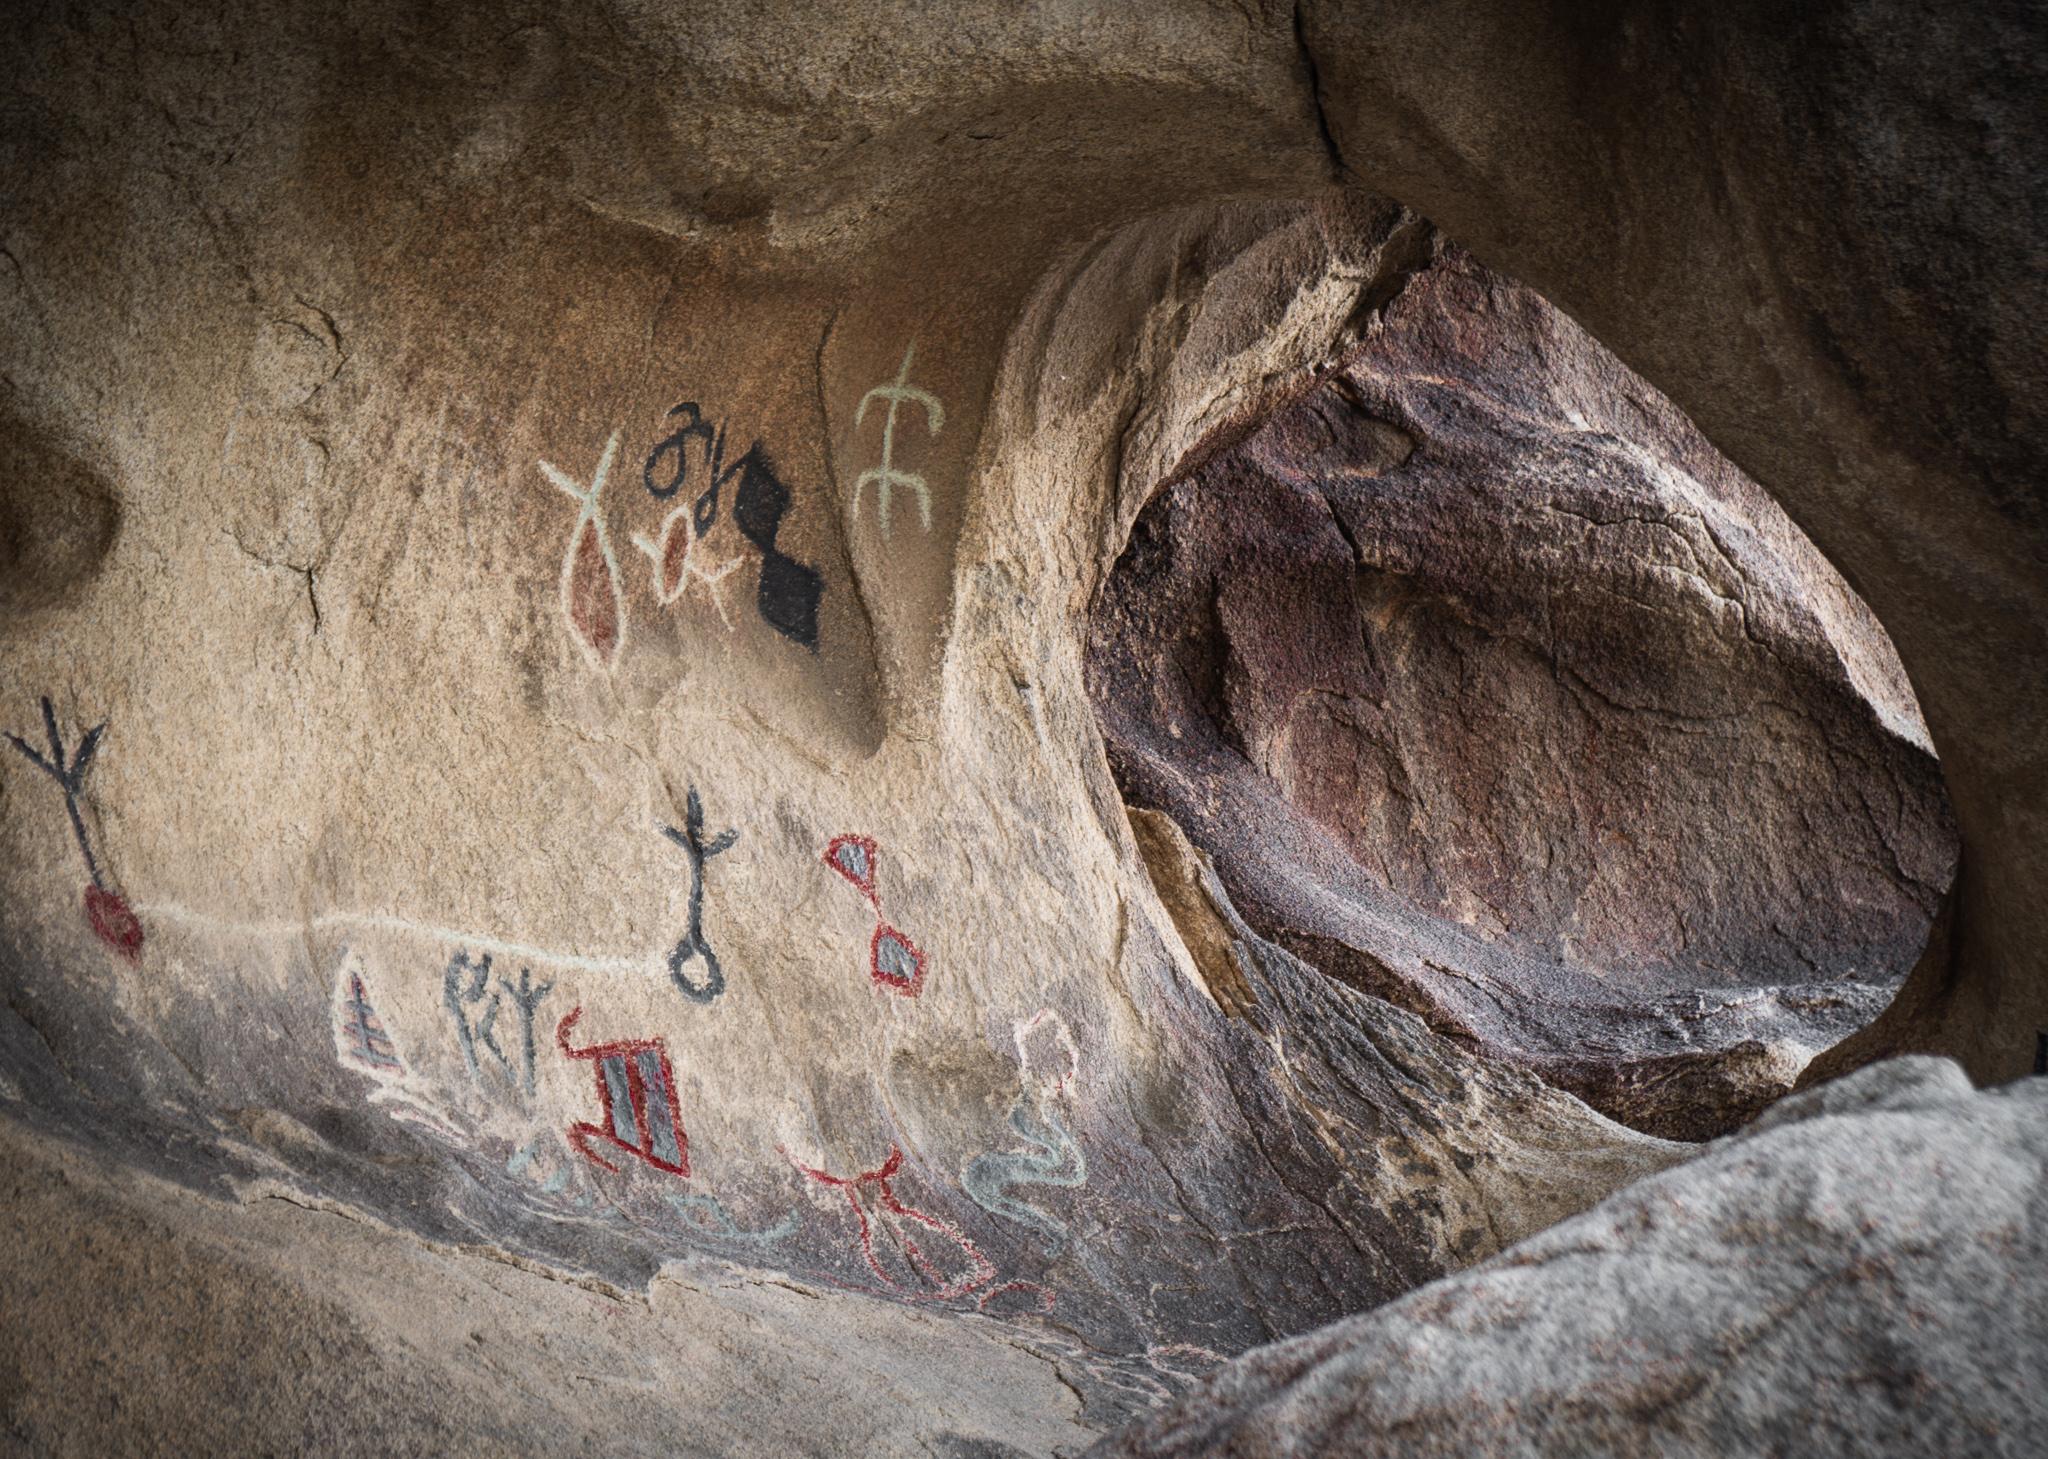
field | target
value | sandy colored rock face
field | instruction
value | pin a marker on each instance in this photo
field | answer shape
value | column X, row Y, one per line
column 1495, row 691
column 581, row 745
column 268, row 1327
column 544, row 572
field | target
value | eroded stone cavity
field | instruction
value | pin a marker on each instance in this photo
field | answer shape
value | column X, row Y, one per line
column 380, row 326
column 1496, row 691
column 58, row 519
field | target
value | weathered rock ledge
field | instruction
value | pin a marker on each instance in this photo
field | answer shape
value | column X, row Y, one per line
column 1862, row 1271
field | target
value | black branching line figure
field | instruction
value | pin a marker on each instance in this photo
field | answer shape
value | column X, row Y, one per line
column 70, row 778
column 484, row 1029
column 692, row 943
column 789, row 591
column 526, row 998
column 694, row 427
column 105, row 908
column 454, row 994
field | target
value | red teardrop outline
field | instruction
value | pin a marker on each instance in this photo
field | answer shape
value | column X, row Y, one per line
column 870, row 852
column 915, row 983
column 675, row 555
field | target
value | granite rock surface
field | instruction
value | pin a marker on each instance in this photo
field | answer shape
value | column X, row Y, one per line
column 1496, row 691
column 546, row 562
column 1859, row 1272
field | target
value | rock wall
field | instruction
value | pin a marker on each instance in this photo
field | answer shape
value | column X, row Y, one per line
column 1497, row 692
column 1819, row 242
column 547, row 560
column 578, row 747
column 1815, row 1285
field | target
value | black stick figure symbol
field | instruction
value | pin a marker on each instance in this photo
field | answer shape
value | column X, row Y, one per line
column 692, row 943
column 70, row 778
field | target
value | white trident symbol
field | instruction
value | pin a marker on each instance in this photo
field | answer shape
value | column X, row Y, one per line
column 886, row 475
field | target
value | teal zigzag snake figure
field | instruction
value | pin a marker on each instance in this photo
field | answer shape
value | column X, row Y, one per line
column 1055, row 1158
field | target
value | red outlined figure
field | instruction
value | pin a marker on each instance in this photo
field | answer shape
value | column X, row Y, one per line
column 890, row 1209
column 637, row 1090
column 113, row 921
column 1043, row 1296
column 592, row 600
column 894, row 961
column 853, row 857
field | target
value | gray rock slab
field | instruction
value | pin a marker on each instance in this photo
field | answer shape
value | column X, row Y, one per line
column 1858, row 1273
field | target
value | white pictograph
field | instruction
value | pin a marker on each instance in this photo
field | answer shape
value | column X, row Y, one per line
column 886, row 475
column 593, row 603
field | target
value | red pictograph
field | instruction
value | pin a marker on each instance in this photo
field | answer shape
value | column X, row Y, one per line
column 593, row 602
column 894, row 961
column 880, row 1181
column 1042, row 1300
column 637, row 1089
column 113, row 921
column 853, row 857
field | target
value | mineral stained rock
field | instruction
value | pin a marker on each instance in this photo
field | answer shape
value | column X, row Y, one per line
column 1859, row 1272
column 1822, row 244
column 269, row 1326
column 550, row 813
column 545, row 565
column 1495, row 690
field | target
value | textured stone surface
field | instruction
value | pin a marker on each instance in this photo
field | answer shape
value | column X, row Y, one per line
column 318, row 323
column 1497, row 692
column 184, row 1317
column 511, row 904
column 1822, row 243
column 1860, row 1272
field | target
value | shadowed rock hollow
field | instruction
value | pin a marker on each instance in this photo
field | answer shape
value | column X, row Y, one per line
column 775, row 729
column 1496, row 692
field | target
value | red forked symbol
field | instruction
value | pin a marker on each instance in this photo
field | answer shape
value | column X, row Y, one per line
column 980, row 1269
